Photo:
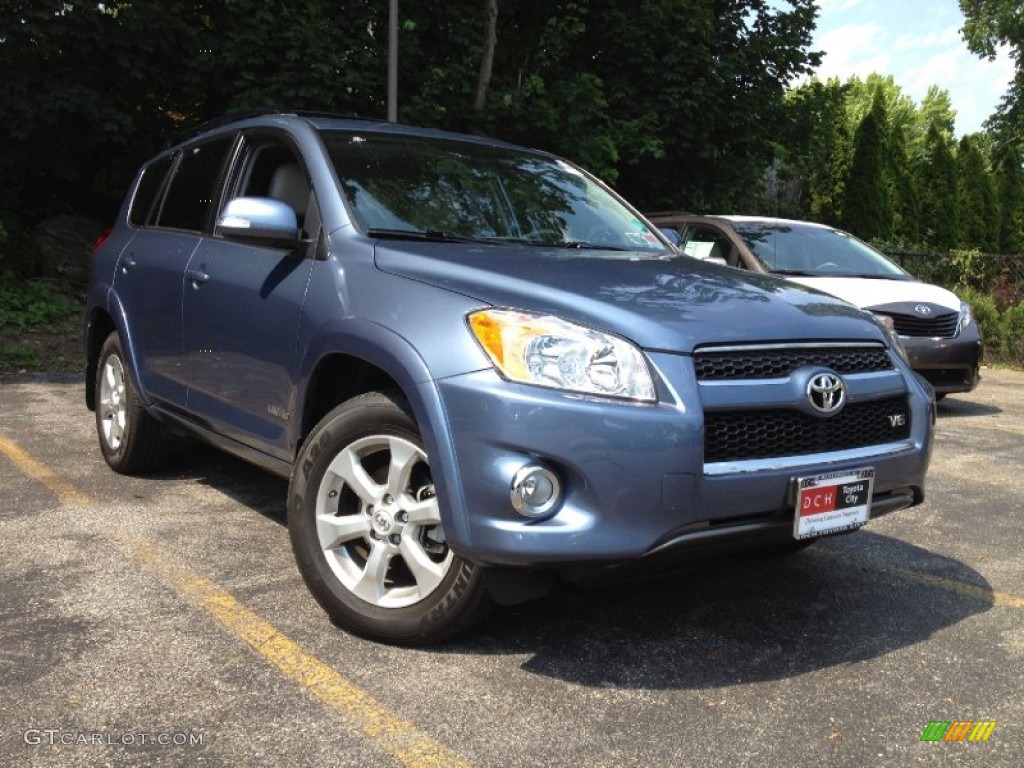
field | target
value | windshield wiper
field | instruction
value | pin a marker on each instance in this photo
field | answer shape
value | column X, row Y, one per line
column 794, row 273
column 582, row 246
column 431, row 235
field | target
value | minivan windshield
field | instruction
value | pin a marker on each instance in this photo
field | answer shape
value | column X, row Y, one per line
column 415, row 187
column 794, row 249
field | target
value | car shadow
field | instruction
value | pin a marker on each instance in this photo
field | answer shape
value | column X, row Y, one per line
column 738, row 620
column 953, row 408
column 716, row 622
column 245, row 483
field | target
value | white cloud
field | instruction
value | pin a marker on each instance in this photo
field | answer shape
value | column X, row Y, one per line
column 948, row 37
column 854, row 49
column 920, row 45
column 838, row 6
column 974, row 84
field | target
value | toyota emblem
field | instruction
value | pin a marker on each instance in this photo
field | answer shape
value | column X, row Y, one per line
column 826, row 393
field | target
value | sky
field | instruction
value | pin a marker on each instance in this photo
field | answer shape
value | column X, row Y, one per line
column 918, row 42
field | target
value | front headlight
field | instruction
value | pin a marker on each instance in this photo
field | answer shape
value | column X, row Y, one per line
column 965, row 317
column 549, row 352
column 888, row 328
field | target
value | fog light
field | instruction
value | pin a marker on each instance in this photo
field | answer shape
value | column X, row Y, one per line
column 535, row 491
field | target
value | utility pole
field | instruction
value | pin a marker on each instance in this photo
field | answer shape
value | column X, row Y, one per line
column 393, row 62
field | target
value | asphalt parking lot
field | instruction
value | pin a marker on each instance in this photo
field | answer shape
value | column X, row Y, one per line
column 162, row 621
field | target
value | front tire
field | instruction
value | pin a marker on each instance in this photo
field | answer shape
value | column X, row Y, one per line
column 132, row 441
column 366, row 529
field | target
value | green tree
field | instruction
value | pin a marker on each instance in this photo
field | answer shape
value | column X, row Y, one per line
column 937, row 185
column 900, row 111
column 903, row 192
column 867, row 204
column 710, row 79
column 936, row 109
column 818, row 146
column 976, row 199
column 677, row 100
column 1010, row 194
column 989, row 24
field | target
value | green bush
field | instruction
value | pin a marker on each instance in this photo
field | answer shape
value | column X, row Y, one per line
column 26, row 303
column 989, row 319
column 1013, row 334
column 14, row 357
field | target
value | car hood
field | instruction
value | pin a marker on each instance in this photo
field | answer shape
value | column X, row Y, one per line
column 673, row 304
column 865, row 292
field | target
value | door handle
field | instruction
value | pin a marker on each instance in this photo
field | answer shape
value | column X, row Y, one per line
column 196, row 277
column 127, row 263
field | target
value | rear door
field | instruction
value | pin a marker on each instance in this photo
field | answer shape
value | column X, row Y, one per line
column 171, row 209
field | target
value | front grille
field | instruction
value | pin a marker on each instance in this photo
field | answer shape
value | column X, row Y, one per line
column 769, row 363
column 938, row 327
column 768, row 433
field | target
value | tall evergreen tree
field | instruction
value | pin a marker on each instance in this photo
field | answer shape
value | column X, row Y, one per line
column 867, row 205
column 818, row 146
column 905, row 200
column 976, row 199
column 937, row 188
column 1010, row 193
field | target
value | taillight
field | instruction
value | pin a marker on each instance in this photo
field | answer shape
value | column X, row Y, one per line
column 101, row 240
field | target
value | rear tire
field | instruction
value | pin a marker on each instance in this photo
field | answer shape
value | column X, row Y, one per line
column 131, row 440
column 366, row 531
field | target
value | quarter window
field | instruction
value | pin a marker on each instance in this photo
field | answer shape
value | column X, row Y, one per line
column 146, row 193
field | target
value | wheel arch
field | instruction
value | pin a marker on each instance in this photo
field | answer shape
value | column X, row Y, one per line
column 98, row 327
column 101, row 322
column 377, row 358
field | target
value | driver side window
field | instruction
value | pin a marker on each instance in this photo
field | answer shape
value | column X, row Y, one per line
column 272, row 169
column 707, row 243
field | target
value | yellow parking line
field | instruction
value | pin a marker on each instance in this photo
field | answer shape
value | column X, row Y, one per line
column 398, row 736
column 975, row 425
column 60, row 488
column 985, row 594
column 362, row 711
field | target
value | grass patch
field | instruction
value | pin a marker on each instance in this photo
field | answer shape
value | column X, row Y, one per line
column 40, row 326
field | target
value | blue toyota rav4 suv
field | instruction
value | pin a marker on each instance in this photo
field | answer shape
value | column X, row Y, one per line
column 479, row 368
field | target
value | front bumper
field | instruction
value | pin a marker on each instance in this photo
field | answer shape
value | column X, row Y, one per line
column 634, row 476
column 949, row 365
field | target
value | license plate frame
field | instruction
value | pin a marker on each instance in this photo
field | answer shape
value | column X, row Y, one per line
column 832, row 502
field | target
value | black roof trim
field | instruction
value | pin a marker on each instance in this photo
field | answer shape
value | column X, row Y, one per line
column 245, row 114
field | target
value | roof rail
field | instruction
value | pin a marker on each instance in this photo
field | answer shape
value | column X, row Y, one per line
column 668, row 213
column 244, row 114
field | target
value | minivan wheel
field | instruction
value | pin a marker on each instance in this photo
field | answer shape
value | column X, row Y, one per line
column 366, row 530
column 132, row 441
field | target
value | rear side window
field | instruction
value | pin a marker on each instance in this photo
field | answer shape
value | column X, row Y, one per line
column 190, row 197
column 149, row 187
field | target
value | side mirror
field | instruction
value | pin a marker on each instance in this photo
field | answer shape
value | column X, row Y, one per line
column 258, row 218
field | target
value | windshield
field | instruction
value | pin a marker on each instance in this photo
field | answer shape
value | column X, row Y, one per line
column 815, row 251
column 401, row 186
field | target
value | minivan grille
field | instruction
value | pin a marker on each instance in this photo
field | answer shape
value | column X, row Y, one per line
column 938, row 327
column 767, row 433
column 770, row 362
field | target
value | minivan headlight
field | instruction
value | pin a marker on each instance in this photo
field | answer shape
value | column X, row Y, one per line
column 965, row 317
column 888, row 328
column 549, row 352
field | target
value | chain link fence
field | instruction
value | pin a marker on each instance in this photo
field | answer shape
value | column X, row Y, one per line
column 994, row 286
